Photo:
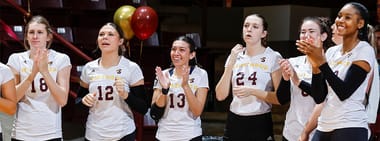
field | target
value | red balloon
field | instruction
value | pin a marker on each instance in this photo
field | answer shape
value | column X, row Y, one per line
column 144, row 22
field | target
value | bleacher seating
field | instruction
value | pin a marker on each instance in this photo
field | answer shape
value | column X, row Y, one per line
column 65, row 32
column 4, row 3
column 36, row 4
column 115, row 4
column 85, row 37
column 85, row 4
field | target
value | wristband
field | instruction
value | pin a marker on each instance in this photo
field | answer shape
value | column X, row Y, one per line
column 165, row 91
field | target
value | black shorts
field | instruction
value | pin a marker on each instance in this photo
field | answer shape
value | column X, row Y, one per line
column 249, row 128
column 199, row 138
column 129, row 137
column 55, row 139
column 343, row 134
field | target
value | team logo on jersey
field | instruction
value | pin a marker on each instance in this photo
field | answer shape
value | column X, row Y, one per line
column 51, row 62
column 191, row 80
column 25, row 61
column 118, row 71
column 304, row 94
column 349, row 54
column 263, row 59
column 93, row 70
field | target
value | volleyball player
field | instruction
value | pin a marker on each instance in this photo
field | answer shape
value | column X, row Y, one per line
column 180, row 94
column 254, row 73
column 346, row 69
column 112, row 86
column 42, row 84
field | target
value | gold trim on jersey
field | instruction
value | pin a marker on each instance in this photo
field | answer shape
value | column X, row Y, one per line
column 254, row 65
column 29, row 70
column 302, row 75
column 341, row 62
column 178, row 85
column 103, row 77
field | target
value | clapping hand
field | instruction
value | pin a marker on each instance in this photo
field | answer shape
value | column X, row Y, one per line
column 313, row 49
column 163, row 79
column 185, row 75
column 287, row 69
column 43, row 61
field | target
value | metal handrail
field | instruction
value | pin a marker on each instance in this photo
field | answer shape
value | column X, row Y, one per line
column 57, row 36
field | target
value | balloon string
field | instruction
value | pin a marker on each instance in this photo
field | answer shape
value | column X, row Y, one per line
column 141, row 47
column 26, row 17
column 129, row 49
column 29, row 6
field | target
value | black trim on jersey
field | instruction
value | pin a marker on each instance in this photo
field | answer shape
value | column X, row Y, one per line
column 137, row 99
column 318, row 88
column 304, row 86
column 171, row 71
column 81, row 93
column 344, row 88
column 283, row 92
column 156, row 112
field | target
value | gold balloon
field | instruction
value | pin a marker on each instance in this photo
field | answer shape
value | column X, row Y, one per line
column 122, row 18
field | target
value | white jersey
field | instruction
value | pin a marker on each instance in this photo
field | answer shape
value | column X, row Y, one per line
column 6, row 76
column 38, row 115
column 374, row 96
column 301, row 104
column 178, row 123
column 350, row 112
column 254, row 72
column 110, row 118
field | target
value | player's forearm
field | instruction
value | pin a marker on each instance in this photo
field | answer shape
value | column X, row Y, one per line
column 295, row 79
column 7, row 106
column 312, row 123
column 8, row 99
column 195, row 105
column 160, row 99
column 59, row 93
column 59, row 90
column 267, row 96
column 22, row 87
column 222, row 89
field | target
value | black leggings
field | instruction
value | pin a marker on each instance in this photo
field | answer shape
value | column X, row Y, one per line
column 199, row 138
column 344, row 134
column 129, row 137
column 55, row 139
column 249, row 128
